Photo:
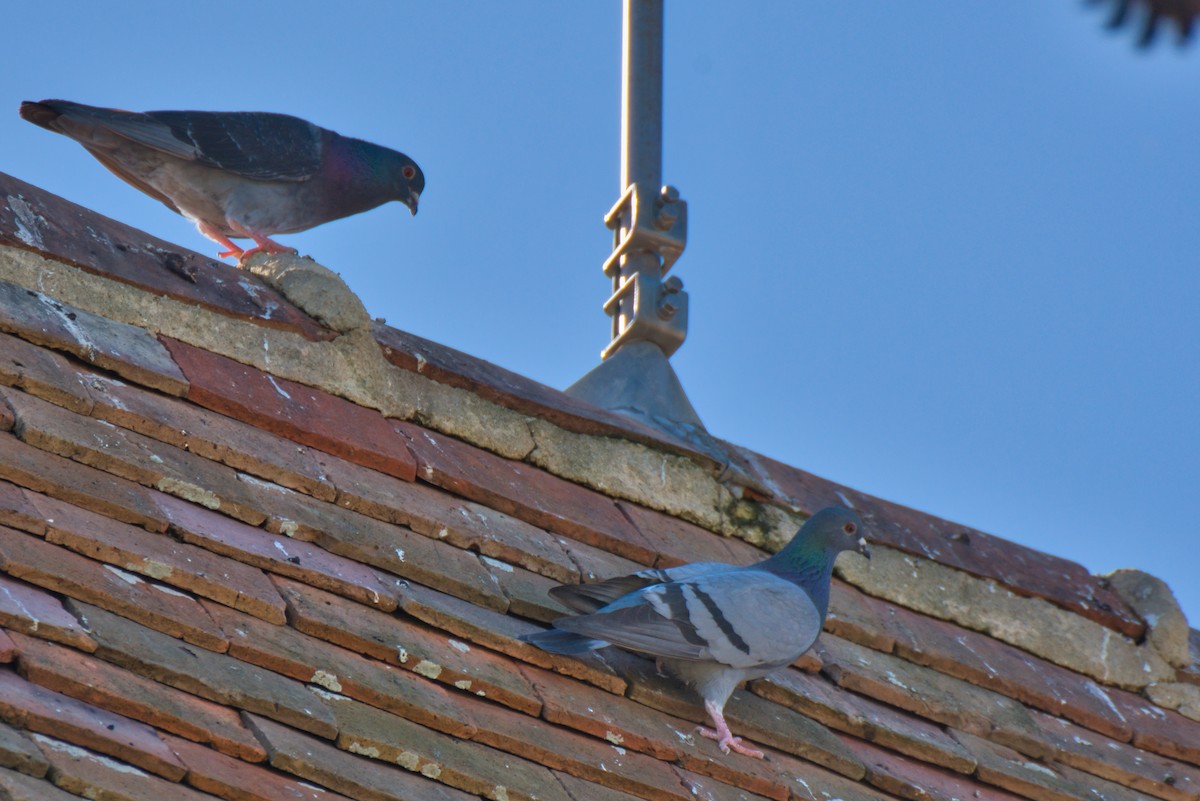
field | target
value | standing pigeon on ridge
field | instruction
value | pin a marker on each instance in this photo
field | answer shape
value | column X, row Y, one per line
column 238, row 174
column 711, row 624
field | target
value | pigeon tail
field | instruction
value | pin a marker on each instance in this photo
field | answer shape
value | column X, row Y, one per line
column 39, row 114
column 557, row 641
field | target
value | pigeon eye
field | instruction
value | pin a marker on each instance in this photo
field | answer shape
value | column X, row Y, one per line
column 850, row 529
column 409, row 172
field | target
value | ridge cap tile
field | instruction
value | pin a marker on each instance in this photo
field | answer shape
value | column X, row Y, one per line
column 1020, row 568
column 38, row 221
column 521, row 394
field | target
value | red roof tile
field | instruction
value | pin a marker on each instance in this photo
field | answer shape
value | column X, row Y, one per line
column 217, row 583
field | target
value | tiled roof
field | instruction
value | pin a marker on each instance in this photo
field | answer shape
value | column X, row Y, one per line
column 255, row 547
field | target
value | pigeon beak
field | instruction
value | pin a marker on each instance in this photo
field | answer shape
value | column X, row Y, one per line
column 413, row 197
column 862, row 547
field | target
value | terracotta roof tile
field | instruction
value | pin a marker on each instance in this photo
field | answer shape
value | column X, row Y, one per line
column 19, row 753
column 408, row 644
column 127, row 350
column 18, row 511
column 294, row 411
column 918, row 781
column 585, row 757
column 808, row 782
column 37, row 709
column 706, row 787
column 923, row 692
column 283, row 651
column 474, row 768
column 276, row 553
column 20, row 787
column 211, row 435
column 109, row 687
column 43, row 373
column 26, row 608
column 865, row 718
column 442, row 516
column 1118, row 762
column 93, row 775
column 676, row 542
column 25, row 557
column 97, row 244
column 8, row 648
column 525, row 492
column 1155, row 729
column 161, row 558
column 1006, row 768
column 130, row 455
column 526, row 591
column 227, row 777
column 78, row 484
column 343, row 772
column 583, row 790
column 216, row 677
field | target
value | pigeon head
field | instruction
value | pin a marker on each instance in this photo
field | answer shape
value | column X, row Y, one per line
column 401, row 173
column 818, row 542
column 835, row 529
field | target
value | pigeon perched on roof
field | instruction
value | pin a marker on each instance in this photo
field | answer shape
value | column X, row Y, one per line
column 247, row 175
column 711, row 624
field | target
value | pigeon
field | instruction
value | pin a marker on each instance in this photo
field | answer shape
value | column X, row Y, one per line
column 247, row 174
column 711, row 624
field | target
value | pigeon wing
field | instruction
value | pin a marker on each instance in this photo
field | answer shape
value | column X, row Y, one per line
column 744, row 619
column 253, row 144
column 587, row 598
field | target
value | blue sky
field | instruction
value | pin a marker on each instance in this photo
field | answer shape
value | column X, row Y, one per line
column 941, row 252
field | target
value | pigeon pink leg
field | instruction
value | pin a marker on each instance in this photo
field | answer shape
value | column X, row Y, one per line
column 261, row 244
column 215, row 235
column 724, row 737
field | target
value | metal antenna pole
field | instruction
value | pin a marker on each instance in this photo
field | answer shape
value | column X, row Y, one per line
column 649, row 314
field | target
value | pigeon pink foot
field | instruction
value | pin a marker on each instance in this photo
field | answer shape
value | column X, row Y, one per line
column 724, row 737
column 215, row 235
column 261, row 244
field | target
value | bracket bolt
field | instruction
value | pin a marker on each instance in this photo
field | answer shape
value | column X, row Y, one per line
column 668, row 305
